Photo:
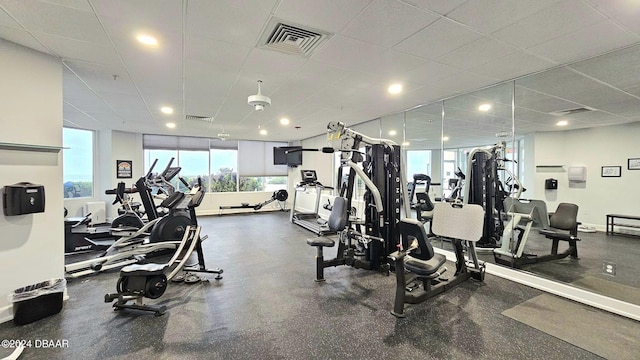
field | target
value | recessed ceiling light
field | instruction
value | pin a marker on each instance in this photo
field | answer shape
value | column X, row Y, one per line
column 147, row 40
column 395, row 89
column 392, row 132
column 406, row 143
column 484, row 107
column 562, row 123
column 171, row 125
column 284, row 121
column 166, row 110
column 445, row 138
column 263, row 132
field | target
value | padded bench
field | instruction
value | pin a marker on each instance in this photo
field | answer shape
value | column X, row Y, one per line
column 611, row 222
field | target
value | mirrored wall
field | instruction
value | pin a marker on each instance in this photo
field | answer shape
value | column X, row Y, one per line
column 582, row 118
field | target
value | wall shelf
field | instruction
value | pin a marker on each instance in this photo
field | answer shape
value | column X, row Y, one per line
column 30, row 147
column 550, row 168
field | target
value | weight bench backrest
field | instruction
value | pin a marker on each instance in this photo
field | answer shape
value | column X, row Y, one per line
column 565, row 218
column 411, row 229
column 339, row 214
column 457, row 221
column 536, row 208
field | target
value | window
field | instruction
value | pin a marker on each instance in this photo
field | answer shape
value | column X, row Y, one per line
column 224, row 170
column 77, row 160
column 218, row 163
column 256, row 168
column 418, row 162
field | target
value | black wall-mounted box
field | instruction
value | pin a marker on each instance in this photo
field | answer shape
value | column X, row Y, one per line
column 23, row 198
column 551, row 184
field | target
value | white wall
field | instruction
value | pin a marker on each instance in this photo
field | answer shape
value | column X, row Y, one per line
column 592, row 148
column 32, row 246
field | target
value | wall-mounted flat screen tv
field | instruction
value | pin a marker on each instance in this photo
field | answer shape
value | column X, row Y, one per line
column 284, row 156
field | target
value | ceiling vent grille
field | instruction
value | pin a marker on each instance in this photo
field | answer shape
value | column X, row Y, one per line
column 570, row 112
column 292, row 39
column 199, row 118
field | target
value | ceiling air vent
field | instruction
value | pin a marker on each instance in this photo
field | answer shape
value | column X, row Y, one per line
column 291, row 38
column 199, row 118
column 569, row 112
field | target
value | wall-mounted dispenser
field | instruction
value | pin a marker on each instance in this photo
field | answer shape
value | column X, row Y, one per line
column 23, row 198
column 551, row 184
column 577, row 173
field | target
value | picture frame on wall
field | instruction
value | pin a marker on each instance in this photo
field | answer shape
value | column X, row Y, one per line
column 633, row 164
column 611, row 171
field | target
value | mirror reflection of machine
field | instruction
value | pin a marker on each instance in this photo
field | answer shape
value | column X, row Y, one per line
column 310, row 220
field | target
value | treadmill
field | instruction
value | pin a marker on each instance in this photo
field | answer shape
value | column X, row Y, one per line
column 310, row 220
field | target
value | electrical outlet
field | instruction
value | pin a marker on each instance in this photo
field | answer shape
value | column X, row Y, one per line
column 609, row 268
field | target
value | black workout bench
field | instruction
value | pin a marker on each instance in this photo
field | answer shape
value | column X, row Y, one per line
column 611, row 222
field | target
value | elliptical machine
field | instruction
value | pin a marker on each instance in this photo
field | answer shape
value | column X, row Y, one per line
column 150, row 281
column 159, row 235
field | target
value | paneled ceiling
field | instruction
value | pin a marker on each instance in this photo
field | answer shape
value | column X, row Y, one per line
column 210, row 55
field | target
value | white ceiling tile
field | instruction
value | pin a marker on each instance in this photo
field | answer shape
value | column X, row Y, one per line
column 386, row 23
column 72, row 49
column 620, row 69
column 21, row 37
column 538, row 101
column 441, row 7
column 75, row 4
column 511, row 66
column 57, row 20
column 238, row 22
column 429, row 73
column 215, row 52
column 331, row 16
column 437, row 39
column 583, row 44
column 490, row 15
column 7, row 21
column 393, row 64
column 559, row 19
column 274, row 62
column 313, row 72
column 465, row 81
column 478, row 52
column 346, row 53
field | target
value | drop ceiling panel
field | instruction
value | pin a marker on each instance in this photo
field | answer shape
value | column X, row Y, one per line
column 22, row 38
column 541, row 102
column 489, row 16
column 441, row 7
column 214, row 55
column 57, row 20
column 317, row 73
column 467, row 80
column 346, row 53
column 238, row 22
column 511, row 66
column 100, row 78
column 393, row 64
column 80, row 50
column 620, row 69
column 562, row 18
column 431, row 72
column 437, row 39
column 6, row 20
column 273, row 62
column 386, row 23
column 583, row 44
column 477, row 53
column 331, row 16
